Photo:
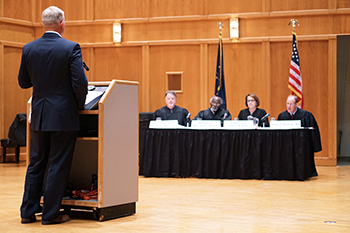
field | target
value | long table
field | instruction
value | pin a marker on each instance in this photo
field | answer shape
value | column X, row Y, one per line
column 227, row 154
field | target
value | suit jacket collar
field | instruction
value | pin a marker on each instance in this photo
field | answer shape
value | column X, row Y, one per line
column 51, row 34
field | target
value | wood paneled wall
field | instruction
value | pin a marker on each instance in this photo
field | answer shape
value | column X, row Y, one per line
column 182, row 36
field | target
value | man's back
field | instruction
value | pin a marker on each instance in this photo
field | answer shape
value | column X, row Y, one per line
column 53, row 67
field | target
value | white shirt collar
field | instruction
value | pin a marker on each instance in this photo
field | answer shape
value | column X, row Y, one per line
column 53, row 32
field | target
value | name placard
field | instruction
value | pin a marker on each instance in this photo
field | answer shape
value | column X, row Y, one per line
column 164, row 124
column 285, row 124
column 239, row 124
column 206, row 124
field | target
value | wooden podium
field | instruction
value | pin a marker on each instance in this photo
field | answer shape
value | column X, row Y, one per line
column 108, row 147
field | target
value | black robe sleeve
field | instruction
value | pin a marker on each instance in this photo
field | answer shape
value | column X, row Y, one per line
column 307, row 120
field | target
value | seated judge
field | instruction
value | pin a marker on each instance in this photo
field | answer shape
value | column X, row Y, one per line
column 306, row 118
column 215, row 112
column 252, row 102
column 171, row 111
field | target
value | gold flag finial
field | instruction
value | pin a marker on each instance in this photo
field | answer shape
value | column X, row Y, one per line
column 293, row 22
column 220, row 25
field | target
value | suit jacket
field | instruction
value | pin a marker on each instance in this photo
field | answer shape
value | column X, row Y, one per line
column 258, row 113
column 53, row 66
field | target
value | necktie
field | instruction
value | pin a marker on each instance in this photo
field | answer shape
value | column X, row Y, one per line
column 292, row 116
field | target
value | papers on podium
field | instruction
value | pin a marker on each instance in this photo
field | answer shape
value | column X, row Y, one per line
column 164, row 124
column 285, row 124
column 239, row 124
column 92, row 99
column 206, row 124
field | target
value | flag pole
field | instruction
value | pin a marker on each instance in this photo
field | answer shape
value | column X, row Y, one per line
column 219, row 76
column 295, row 80
column 220, row 25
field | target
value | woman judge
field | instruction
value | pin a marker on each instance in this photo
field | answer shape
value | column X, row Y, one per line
column 252, row 102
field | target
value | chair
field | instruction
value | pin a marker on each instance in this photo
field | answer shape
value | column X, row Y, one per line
column 16, row 136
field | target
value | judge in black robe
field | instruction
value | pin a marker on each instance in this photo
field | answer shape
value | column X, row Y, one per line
column 252, row 102
column 171, row 111
column 307, row 120
column 215, row 112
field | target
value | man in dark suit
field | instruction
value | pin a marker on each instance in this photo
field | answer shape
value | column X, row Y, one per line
column 53, row 66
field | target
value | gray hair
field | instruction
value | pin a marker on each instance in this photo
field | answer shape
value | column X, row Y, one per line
column 52, row 16
column 296, row 99
column 216, row 97
column 171, row 92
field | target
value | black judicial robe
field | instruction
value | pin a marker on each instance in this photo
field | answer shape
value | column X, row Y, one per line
column 177, row 113
column 307, row 120
column 258, row 113
column 208, row 115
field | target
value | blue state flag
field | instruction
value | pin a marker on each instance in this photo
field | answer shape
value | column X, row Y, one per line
column 220, row 89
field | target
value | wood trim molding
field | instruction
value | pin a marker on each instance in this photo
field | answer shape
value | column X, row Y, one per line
column 16, row 21
column 2, row 95
column 146, row 82
column 209, row 41
column 203, row 72
column 264, row 14
column 11, row 44
column 332, row 99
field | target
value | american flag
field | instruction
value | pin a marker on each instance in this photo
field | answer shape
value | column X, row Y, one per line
column 295, row 83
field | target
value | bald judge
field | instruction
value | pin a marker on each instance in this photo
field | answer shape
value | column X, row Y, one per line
column 306, row 118
column 215, row 112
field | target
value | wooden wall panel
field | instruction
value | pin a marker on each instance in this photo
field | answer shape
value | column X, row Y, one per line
column 243, row 70
column 84, row 34
column 184, row 58
column 295, row 5
column 117, row 63
column 117, row 9
column 19, row 9
column 280, row 62
column 278, row 26
column 124, row 63
column 73, row 10
column 343, row 4
column 172, row 30
column 234, row 6
column 15, row 98
column 340, row 24
column 314, row 68
column 16, row 33
column 90, row 34
column 161, row 8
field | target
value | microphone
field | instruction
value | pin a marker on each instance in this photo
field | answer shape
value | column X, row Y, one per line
column 255, row 120
column 225, row 115
column 265, row 117
column 188, row 120
column 85, row 67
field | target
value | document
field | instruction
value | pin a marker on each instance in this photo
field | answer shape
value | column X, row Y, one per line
column 92, row 99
